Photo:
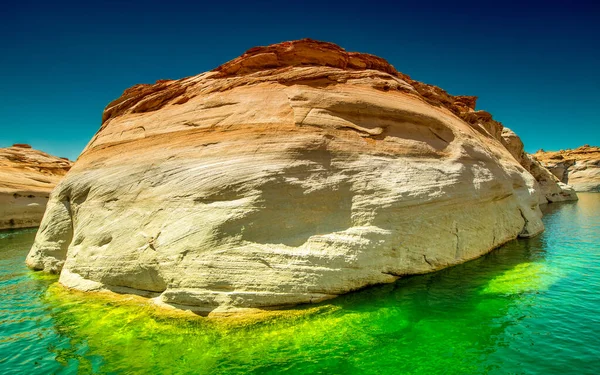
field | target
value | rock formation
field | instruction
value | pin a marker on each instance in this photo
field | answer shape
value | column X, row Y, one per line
column 550, row 187
column 292, row 174
column 27, row 177
column 579, row 167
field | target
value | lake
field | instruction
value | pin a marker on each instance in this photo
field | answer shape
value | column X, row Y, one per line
column 529, row 307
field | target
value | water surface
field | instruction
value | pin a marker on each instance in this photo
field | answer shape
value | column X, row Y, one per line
column 530, row 307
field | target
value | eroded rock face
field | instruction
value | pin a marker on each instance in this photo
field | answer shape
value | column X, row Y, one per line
column 292, row 174
column 26, row 178
column 550, row 187
column 579, row 167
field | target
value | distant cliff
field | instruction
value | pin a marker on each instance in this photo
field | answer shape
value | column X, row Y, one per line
column 578, row 167
column 551, row 188
column 27, row 177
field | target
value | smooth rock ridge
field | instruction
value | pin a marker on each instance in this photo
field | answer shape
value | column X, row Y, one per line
column 27, row 177
column 292, row 174
column 578, row 167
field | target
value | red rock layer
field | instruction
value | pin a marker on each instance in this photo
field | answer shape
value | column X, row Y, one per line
column 274, row 63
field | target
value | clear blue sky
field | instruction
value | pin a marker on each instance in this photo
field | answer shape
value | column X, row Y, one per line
column 534, row 65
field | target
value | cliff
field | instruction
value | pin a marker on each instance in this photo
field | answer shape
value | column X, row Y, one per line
column 550, row 187
column 27, row 177
column 579, row 167
column 292, row 174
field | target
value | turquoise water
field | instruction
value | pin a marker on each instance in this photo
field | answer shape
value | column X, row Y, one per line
column 530, row 307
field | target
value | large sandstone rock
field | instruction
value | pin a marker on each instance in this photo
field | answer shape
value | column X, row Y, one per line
column 26, row 178
column 292, row 174
column 551, row 188
column 579, row 167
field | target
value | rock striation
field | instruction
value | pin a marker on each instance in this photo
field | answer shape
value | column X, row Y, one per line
column 292, row 174
column 550, row 187
column 579, row 167
column 27, row 177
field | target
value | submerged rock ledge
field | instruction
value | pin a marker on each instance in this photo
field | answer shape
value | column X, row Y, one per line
column 292, row 174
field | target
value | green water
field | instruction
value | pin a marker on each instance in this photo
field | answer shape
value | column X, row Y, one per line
column 530, row 307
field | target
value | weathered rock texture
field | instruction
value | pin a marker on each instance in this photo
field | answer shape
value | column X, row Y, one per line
column 579, row 167
column 550, row 187
column 291, row 174
column 27, row 177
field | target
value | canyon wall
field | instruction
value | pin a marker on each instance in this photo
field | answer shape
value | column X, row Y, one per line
column 578, row 167
column 27, row 177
